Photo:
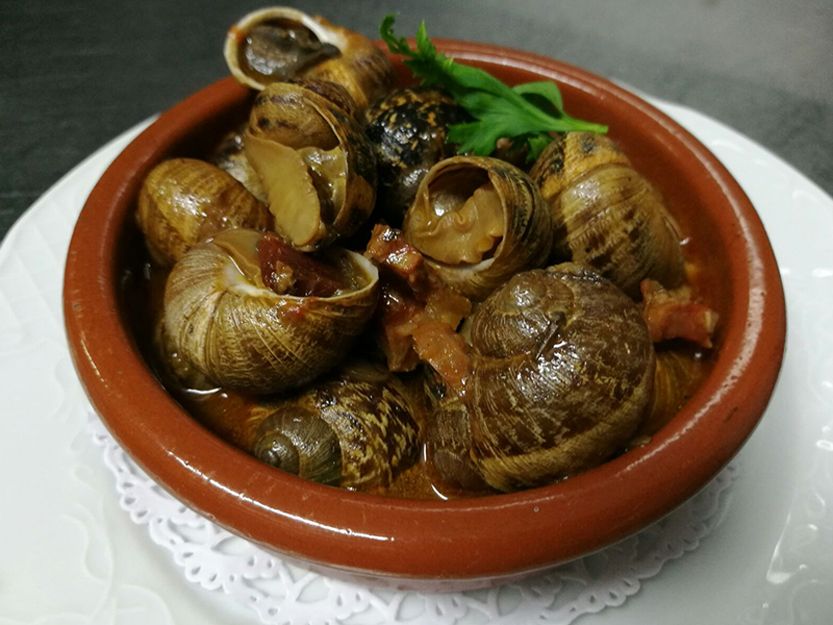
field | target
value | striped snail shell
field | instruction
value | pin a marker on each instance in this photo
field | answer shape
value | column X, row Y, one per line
column 605, row 214
column 183, row 201
column 281, row 43
column 223, row 321
column 562, row 373
column 677, row 374
column 357, row 430
column 478, row 220
column 314, row 162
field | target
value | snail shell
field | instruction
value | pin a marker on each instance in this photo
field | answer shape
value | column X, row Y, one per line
column 605, row 214
column 478, row 220
column 183, row 201
column 562, row 372
column 678, row 372
column 407, row 129
column 222, row 322
column 279, row 43
column 448, row 439
column 230, row 156
column 357, row 430
column 314, row 162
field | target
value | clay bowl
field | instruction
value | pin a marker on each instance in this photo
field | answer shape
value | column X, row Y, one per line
column 473, row 541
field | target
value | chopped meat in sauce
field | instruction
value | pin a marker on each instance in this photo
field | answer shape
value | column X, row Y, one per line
column 674, row 315
column 290, row 272
column 419, row 315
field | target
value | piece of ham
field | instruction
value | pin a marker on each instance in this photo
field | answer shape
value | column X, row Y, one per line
column 674, row 314
column 419, row 315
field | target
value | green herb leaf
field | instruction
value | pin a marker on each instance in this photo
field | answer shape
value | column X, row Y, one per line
column 526, row 113
column 546, row 90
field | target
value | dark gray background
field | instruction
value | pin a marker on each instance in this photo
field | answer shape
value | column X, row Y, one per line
column 76, row 74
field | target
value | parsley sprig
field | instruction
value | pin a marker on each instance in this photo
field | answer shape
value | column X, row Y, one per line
column 524, row 113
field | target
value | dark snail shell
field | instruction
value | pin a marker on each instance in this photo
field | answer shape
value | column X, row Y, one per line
column 222, row 322
column 448, row 439
column 562, row 373
column 314, row 162
column 356, row 429
column 478, row 220
column 605, row 214
column 279, row 43
column 408, row 129
column 183, row 201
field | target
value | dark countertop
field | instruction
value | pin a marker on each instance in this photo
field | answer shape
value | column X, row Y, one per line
column 76, row 74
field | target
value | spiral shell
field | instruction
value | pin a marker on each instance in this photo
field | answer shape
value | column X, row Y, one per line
column 448, row 441
column 314, row 162
column 183, row 201
column 478, row 220
column 605, row 214
column 356, row 430
column 279, row 43
column 562, row 373
column 223, row 323
column 408, row 129
column 678, row 372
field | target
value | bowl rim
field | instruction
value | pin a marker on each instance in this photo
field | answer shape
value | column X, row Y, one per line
column 404, row 538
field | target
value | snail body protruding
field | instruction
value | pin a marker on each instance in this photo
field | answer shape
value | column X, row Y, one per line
column 478, row 220
column 183, row 201
column 605, row 214
column 314, row 162
column 408, row 129
column 240, row 311
column 562, row 373
column 356, row 429
column 281, row 43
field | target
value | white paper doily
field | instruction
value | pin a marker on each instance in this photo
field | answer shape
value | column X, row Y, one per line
column 284, row 593
column 70, row 556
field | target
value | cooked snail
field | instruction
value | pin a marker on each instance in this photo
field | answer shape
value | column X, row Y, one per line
column 314, row 162
column 675, row 378
column 357, row 430
column 280, row 43
column 448, row 439
column 407, row 129
column 248, row 313
column 182, row 201
column 478, row 220
column 605, row 214
column 562, row 372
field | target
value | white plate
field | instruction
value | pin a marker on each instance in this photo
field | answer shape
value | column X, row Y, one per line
column 70, row 554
